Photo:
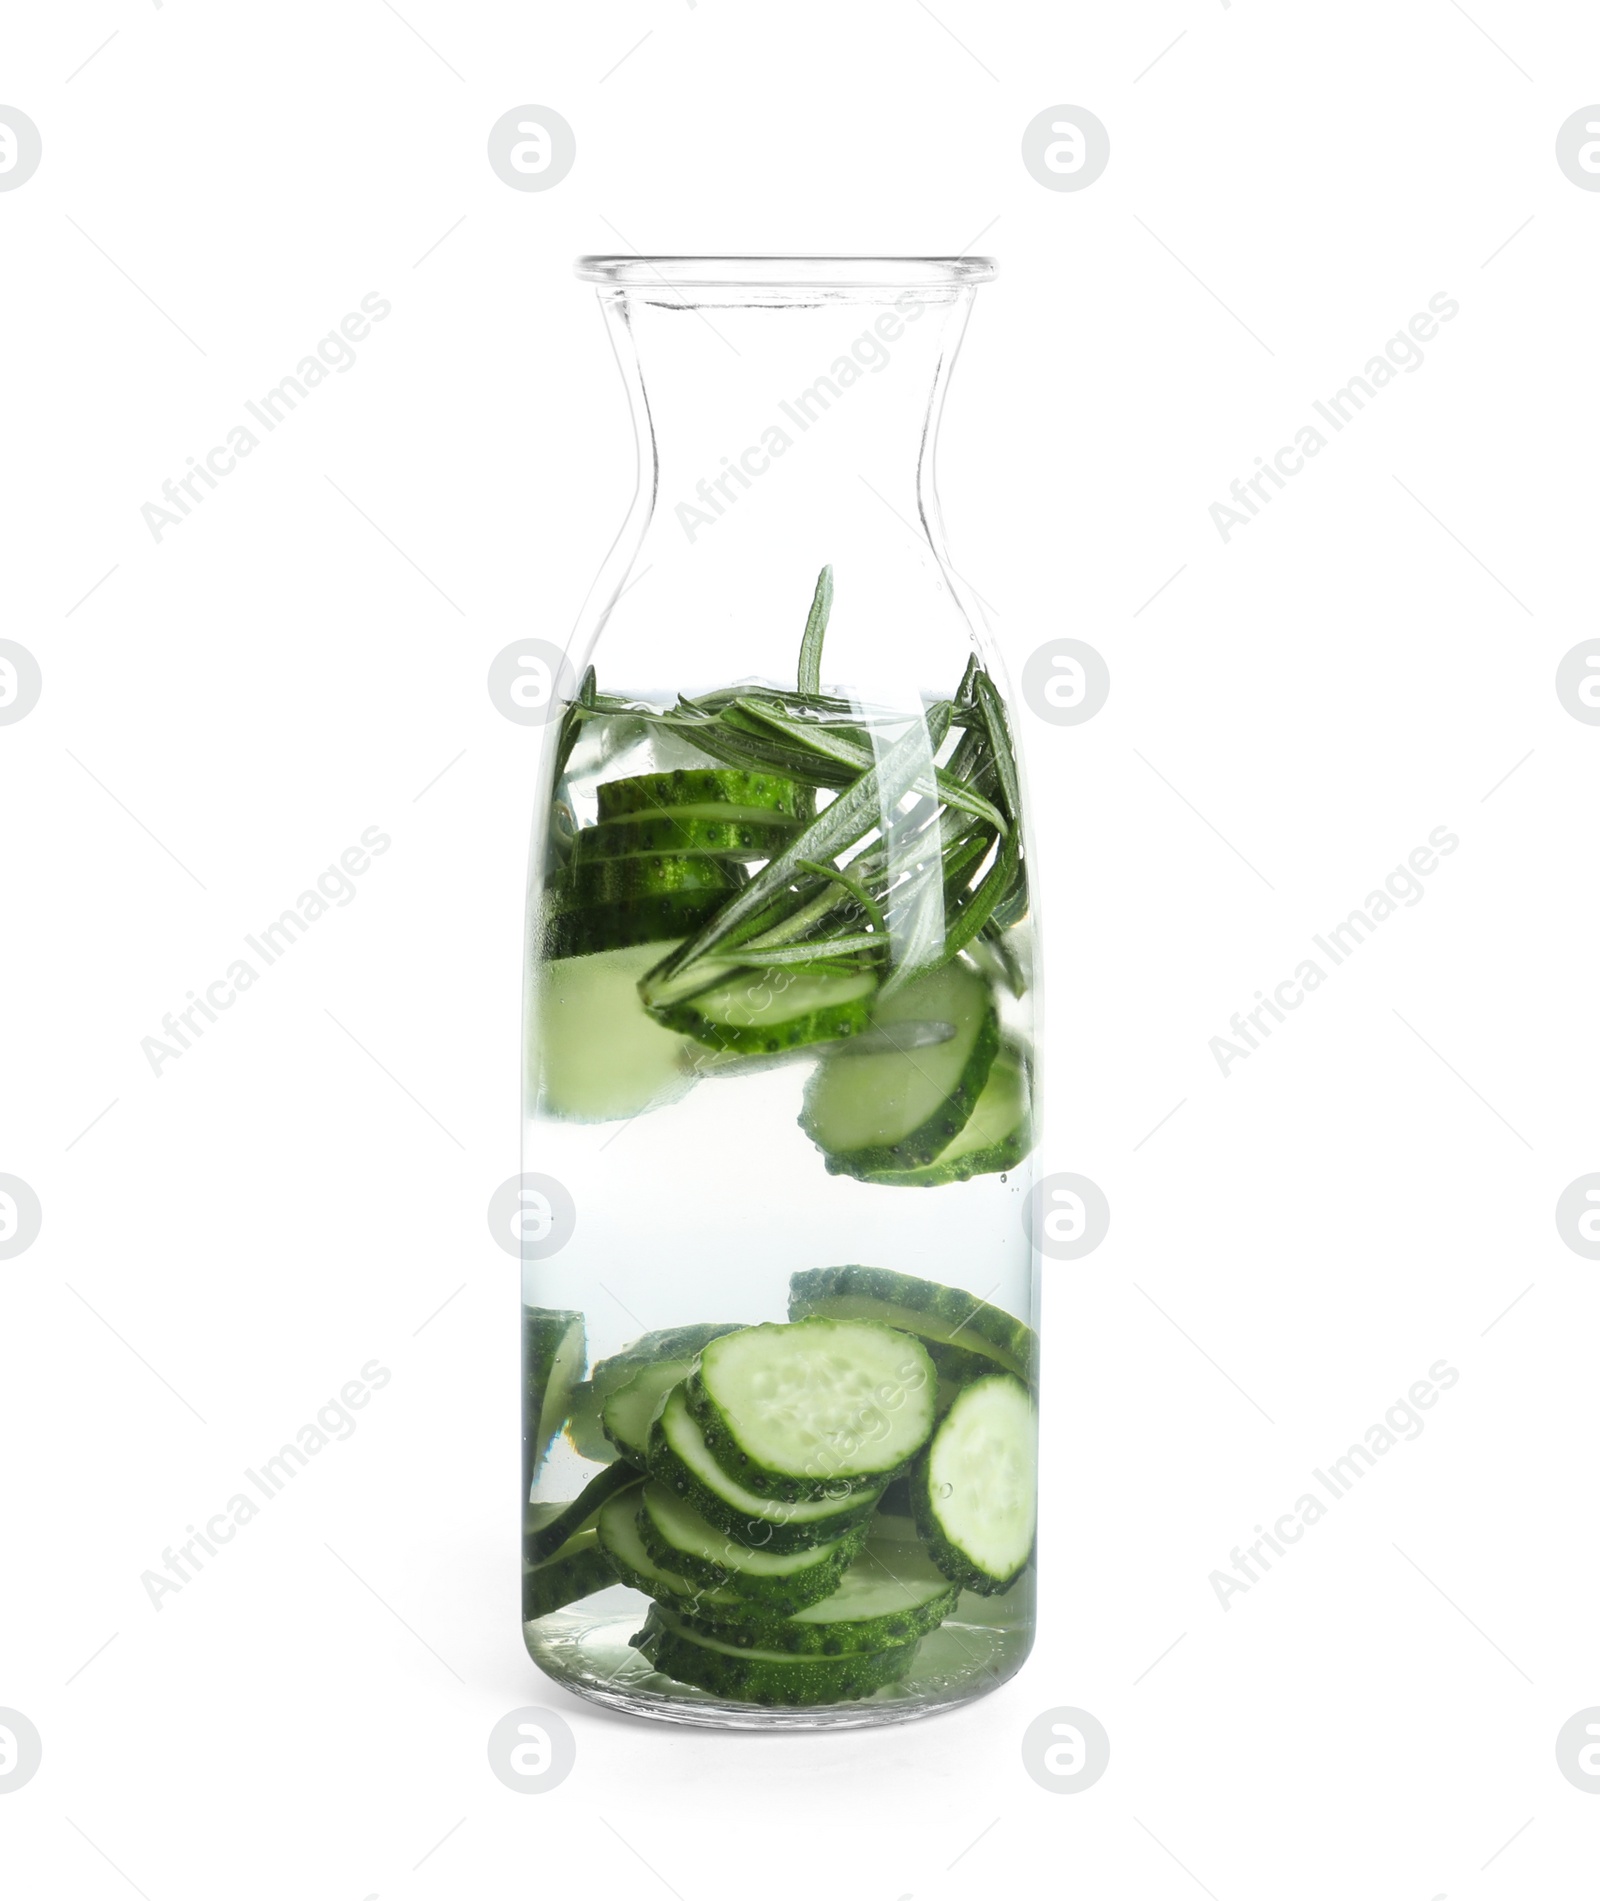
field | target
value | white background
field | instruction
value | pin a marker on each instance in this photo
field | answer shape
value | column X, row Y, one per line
column 1288, row 1252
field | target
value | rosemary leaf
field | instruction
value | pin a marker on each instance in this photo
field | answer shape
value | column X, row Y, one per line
column 572, row 723
column 810, row 673
column 814, row 950
column 857, row 890
column 971, row 918
column 737, row 748
column 994, row 719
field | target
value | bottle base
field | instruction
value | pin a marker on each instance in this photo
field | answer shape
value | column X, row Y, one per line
column 956, row 1664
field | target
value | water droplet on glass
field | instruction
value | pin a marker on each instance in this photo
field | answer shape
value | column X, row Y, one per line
column 945, row 1491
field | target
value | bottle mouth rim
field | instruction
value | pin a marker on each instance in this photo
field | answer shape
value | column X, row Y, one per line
column 806, row 273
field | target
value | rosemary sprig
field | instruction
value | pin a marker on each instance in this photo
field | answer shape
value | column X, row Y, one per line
column 853, row 814
column 863, row 876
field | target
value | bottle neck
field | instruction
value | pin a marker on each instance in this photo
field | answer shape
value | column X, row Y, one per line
column 815, row 402
column 776, row 437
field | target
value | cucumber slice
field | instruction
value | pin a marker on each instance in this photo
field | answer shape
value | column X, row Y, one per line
column 578, row 1569
column 696, row 786
column 897, row 1109
column 890, row 1593
column 997, row 1134
column 975, row 1495
column 543, row 1539
column 768, row 1678
column 552, row 1364
column 668, row 1343
column 681, row 1460
column 626, row 1415
column 584, row 1431
column 601, row 1055
column 665, row 1343
column 603, row 927
column 781, row 1582
column 650, row 1349
column 721, row 831
column 936, row 1313
column 763, row 1011
column 625, row 880
column 618, row 1528
column 789, row 1410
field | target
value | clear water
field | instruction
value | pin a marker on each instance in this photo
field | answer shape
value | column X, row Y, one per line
column 696, row 1199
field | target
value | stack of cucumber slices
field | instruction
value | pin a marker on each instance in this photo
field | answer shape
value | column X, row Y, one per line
column 837, row 882
column 667, row 850
column 802, row 1500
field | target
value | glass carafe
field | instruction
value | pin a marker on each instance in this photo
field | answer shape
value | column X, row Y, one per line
column 779, row 1349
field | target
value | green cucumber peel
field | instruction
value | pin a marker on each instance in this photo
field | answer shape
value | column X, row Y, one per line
column 601, row 881
column 660, row 794
column 734, row 832
column 765, row 1679
column 929, row 1309
column 578, row 931
column 683, row 1542
column 890, row 1593
column 751, row 1014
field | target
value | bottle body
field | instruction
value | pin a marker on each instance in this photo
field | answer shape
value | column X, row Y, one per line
column 780, row 1358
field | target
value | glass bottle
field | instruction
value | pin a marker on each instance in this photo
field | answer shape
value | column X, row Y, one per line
column 779, row 1350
